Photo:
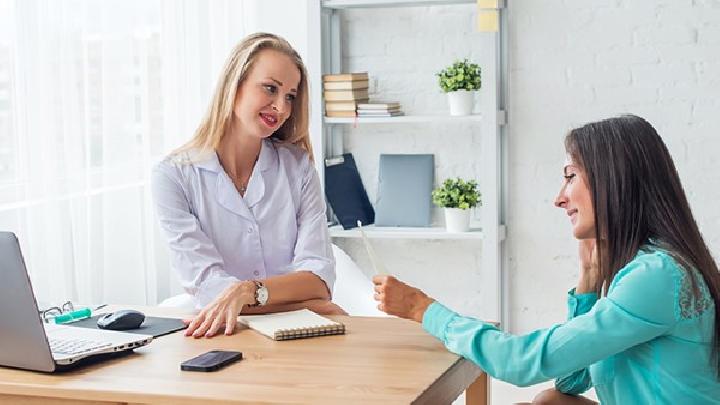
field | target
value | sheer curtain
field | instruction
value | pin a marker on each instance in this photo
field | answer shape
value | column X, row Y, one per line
column 92, row 94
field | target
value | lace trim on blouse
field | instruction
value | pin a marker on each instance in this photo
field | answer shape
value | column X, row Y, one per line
column 692, row 305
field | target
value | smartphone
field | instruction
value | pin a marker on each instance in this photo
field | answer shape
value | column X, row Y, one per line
column 211, row 361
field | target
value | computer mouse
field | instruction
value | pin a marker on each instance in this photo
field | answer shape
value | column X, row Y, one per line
column 121, row 320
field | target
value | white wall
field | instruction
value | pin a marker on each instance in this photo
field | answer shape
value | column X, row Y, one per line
column 570, row 62
column 576, row 61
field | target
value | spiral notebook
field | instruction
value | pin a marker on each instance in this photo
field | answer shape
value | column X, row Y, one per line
column 292, row 325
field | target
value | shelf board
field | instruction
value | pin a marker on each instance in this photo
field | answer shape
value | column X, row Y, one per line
column 341, row 4
column 403, row 119
column 391, row 232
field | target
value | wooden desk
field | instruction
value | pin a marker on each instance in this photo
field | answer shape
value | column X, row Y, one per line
column 379, row 360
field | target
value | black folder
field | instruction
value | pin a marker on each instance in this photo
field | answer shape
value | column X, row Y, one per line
column 346, row 193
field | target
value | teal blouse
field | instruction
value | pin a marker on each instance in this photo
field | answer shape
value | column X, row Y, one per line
column 647, row 342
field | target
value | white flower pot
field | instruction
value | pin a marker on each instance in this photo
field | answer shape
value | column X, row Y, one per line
column 461, row 102
column 457, row 220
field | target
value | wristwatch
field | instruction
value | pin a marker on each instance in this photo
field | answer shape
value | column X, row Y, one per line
column 261, row 294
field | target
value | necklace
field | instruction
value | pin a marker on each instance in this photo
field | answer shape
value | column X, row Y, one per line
column 237, row 180
column 241, row 186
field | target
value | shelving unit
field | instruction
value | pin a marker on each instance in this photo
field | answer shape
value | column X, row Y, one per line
column 489, row 123
column 336, row 231
column 341, row 4
column 405, row 119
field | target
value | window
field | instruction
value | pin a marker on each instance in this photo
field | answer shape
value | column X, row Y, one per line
column 92, row 94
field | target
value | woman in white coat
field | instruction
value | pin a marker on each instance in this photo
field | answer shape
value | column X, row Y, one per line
column 241, row 203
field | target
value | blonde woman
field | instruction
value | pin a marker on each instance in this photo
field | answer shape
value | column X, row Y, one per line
column 241, row 202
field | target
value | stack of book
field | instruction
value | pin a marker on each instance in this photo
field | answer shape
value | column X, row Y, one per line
column 377, row 109
column 343, row 92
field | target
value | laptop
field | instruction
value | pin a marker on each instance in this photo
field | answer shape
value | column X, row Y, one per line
column 29, row 343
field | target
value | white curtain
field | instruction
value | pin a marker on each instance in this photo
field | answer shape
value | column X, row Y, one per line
column 92, row 94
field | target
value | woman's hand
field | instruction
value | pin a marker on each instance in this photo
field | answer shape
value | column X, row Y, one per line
column 587, row 253
column 399, row 299
column 223, row 311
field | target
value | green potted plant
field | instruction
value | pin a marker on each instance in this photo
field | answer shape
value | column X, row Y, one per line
column 457, row 196
column 460, row 81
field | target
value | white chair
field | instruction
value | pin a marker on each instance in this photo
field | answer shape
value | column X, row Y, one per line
column 186, row 302
column 353, row 291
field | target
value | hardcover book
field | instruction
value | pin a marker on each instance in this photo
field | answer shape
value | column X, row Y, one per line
column 345, row 77
column 346, row 85
column 346, row 95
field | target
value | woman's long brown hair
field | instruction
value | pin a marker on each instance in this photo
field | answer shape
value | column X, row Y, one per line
column 638, row 199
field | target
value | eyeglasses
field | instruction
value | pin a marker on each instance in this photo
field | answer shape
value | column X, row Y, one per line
column 67, row 313
column 48, row 314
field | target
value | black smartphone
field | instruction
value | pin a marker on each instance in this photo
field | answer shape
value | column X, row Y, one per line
column 211, row 361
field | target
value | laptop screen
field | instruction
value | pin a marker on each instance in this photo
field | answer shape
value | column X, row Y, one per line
column 22, row 336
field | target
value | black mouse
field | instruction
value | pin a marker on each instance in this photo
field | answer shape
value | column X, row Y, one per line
column 121, row 320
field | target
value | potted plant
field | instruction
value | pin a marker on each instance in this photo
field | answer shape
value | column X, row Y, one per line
column 457, row 196
column 460, row 81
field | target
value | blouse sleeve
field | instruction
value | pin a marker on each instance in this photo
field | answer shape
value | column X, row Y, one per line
column 578, row 381
column 312, row 248
column 193, row 254
column 639, row 307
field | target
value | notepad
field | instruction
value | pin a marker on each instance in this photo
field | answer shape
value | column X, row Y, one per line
column 292, row 325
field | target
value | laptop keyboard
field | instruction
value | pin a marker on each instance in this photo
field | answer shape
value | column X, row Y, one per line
column 75, row 346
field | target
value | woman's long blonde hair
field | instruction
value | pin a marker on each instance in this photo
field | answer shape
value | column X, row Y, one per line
column 215, row 123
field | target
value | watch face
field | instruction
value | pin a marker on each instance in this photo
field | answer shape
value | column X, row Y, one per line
column 262, row 295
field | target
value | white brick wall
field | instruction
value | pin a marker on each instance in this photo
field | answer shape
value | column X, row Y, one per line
column 658, row 59
column 571, row 62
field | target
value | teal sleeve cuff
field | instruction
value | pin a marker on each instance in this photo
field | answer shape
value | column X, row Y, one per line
column 575, row 383
column 579, row 304
column 436, row 319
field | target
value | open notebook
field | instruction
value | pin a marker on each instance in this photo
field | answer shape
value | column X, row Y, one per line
column 292, row 325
